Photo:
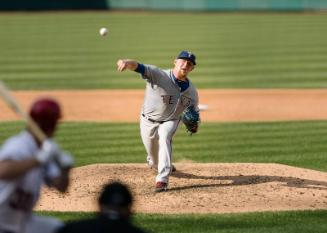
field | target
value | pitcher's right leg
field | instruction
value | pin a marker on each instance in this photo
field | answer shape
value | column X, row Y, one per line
column 149, row 135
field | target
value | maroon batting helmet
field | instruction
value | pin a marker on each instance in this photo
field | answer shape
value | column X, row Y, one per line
column 46, row 113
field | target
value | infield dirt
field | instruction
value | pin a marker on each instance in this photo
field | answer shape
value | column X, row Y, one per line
column 195, row 187
column 223, row 105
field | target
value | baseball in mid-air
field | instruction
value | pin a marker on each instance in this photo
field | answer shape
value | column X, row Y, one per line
column 103, row 31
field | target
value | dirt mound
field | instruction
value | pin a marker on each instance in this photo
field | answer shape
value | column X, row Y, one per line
column 198, row 188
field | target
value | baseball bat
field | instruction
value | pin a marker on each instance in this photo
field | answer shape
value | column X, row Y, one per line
column 13, row 104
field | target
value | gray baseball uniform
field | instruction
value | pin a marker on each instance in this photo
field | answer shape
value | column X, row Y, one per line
column 165, row 100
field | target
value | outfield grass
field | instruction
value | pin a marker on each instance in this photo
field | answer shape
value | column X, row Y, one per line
column 267, row 222
column 63, row 50
column 301, row 144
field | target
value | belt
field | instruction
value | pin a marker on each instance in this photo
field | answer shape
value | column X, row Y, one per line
column 151, row 120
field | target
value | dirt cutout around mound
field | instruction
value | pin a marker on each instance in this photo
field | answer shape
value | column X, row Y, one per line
column 198, row 188
column 223, row 105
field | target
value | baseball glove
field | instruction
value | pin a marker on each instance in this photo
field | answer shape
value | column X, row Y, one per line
column 191, row 119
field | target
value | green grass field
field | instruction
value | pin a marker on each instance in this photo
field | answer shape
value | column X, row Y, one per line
column 274, row 142
column 301, row 144
column 63, row 50
column 267, row 222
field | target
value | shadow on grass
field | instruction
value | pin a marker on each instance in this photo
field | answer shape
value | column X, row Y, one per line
column 249, row 180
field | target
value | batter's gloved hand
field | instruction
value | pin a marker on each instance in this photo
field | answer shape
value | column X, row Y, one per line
column 65, row 160
column 191, row 119
column 49, row 150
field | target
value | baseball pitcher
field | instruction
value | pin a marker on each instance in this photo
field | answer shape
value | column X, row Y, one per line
column 168, row 93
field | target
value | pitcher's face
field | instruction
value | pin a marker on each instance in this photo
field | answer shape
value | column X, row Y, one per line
column 183, row 67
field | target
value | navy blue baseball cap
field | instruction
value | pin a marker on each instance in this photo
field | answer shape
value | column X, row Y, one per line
column 187, row 56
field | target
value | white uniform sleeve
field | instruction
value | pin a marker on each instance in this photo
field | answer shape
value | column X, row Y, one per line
column 11, row 150
column 4, row 154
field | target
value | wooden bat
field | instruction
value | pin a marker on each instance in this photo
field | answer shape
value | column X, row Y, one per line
column 13, row 104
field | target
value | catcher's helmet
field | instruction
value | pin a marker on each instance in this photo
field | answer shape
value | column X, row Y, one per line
column 46, row 113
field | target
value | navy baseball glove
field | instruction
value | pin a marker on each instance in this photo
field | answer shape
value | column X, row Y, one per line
column 191, row 119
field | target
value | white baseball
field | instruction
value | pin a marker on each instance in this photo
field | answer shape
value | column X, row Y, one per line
column 103, row 31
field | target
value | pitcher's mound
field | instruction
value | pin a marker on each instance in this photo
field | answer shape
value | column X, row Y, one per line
column 197, row 188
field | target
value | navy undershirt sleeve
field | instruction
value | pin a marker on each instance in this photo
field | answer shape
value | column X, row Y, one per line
column 140, row 69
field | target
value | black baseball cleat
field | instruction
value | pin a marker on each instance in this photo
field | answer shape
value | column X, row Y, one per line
column 161, row 187
column 173, row 169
